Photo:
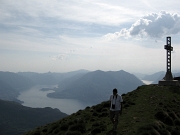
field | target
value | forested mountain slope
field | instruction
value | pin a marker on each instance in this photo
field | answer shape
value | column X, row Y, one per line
column 16, row 119
column 96, row 86
column 16, row 81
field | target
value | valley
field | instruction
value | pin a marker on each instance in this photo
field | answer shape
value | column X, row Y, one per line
column 36, row 98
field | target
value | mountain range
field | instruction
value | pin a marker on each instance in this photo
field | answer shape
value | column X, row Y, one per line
column 96, row 86
column 11, row 84
column 50, row 78
column 156, row 77
column 16, row 81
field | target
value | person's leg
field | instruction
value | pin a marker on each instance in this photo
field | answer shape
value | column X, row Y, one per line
column 112, row 115
column 112, row 118
column 116, row 118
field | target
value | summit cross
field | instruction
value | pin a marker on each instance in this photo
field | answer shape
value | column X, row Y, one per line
column 169, row 48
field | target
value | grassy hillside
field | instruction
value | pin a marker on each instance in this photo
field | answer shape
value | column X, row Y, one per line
column 148, row 110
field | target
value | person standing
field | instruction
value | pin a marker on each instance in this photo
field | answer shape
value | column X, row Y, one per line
column 115, row 108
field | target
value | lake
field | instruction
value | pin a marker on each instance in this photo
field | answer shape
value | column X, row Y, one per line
column 36, row 98
column 146, row 82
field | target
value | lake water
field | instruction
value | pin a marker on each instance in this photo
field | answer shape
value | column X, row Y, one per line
column 146, row 82
column 36, row 98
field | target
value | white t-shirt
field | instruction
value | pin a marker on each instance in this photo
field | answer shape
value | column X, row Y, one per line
column 116, row 100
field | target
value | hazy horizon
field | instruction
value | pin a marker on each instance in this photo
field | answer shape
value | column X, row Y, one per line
column 143, row 73
column 63, row 36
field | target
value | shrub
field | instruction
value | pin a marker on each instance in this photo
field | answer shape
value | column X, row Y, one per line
column 123, row 94
column 161, row 115
column 106, row 105
column 56, row 131
column 169, row 121
column 126, row 105
column 149, row 129
column 173, row 115
column 104, row 110
column 87, row 107
column 151, row 132
column 44, row 130
column 78, row 127
column 70, row 123
column 37, row 132
column 53, row 127
column 164, row 132
column 64, row 127
column 99, row 108
column 73, row 133
column 177, row 122
column 92, row 119
column 95, row 114
column 96, row 124
column 96, row 130
column 98, row 127
column 175, row 132
column 103, row 114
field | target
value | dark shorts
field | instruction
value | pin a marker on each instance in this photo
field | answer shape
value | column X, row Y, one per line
column 114, row 116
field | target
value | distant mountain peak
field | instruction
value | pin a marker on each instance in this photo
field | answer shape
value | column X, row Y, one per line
column 97, row 85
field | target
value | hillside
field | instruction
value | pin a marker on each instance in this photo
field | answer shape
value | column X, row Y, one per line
column 7, row 92
column 16, row 81
column 148, row 110
column 154, row 76
column 16, row 119
column 96, row 86
column 11, row 84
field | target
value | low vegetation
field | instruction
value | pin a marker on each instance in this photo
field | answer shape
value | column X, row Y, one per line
column 148, row 110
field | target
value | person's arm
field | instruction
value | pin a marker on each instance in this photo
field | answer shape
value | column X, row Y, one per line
column 121, row 108
column 110, row 102
column 121, row 104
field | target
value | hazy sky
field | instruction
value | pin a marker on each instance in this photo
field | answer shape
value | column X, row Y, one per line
column 67, row 35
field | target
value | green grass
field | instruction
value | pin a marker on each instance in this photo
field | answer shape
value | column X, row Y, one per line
column 148, row 110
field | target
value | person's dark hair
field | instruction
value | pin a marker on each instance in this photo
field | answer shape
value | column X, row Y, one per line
column 115, row 90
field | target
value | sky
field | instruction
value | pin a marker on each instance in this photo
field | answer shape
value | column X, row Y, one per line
column 68, row 35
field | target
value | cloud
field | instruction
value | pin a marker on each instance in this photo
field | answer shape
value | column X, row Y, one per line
column 73, row 10
column 154, row 25
column 59, row 57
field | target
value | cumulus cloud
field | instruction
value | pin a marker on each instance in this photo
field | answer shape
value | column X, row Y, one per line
column 155, row 25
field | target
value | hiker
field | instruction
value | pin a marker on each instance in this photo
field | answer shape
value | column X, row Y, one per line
column 115, row 107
